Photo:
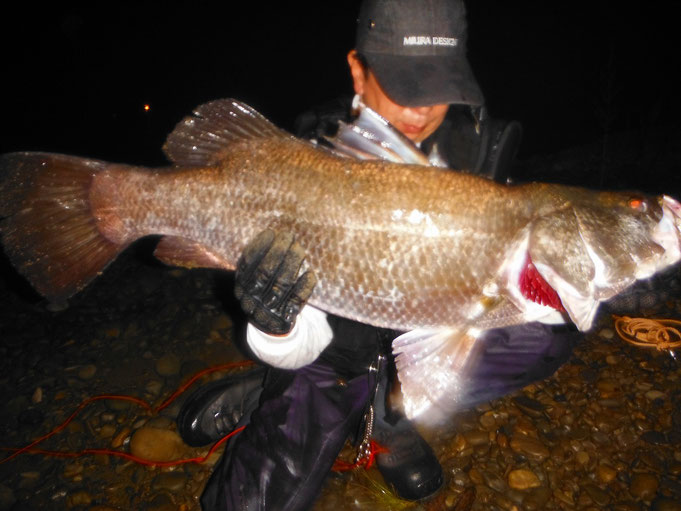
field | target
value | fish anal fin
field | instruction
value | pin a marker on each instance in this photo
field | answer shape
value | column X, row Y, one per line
column 177, row 251
column 203, row 138
column 430, row 364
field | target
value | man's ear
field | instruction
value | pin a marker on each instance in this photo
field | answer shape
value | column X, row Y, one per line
column 357, row 72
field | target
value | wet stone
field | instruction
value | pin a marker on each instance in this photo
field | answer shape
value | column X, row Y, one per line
column 168, row 365
column 154, row 387
column 653, row 395
column 599, row 496
column 605, row 473
column 564, row 496
column 120, row 437
column 536, row 499
column 502, row 502
column 29, row 479
column 476, row 437
column 523, row 479
column 530, row 406
column 487, row 421
column 37, row 396
column 476, row 476
column 582, row 457
column 78, row 499
column 626, row 438
column 107, row 431
column 173, row 481
column 161, row 502
column 72, row 470
column 643, row 486
column 87, row 372
column 156, row 444
column 530, row 447
column 495, row 482
column 159, row 423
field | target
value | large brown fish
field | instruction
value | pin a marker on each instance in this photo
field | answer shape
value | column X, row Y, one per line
column 413, row 248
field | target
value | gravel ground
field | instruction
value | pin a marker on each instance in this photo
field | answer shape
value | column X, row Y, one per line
column 603, row 433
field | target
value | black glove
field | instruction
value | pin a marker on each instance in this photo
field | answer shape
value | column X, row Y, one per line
column 267, row 282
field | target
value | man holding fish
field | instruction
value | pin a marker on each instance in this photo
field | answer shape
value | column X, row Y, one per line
column 329, row 378
column 335, row 256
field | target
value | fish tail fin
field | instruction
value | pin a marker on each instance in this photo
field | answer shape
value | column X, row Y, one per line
column 48, row 229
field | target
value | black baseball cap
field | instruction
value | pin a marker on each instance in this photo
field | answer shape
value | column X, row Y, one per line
column 417, row 51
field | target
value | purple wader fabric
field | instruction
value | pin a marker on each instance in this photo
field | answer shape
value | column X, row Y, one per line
column 280, row 461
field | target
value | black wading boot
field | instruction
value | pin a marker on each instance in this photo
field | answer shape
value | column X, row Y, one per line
column 410, row 465
column 217, row 408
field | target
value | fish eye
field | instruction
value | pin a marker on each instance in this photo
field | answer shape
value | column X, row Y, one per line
column 638, row 204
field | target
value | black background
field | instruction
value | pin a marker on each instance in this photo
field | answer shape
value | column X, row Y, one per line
column 76, row 78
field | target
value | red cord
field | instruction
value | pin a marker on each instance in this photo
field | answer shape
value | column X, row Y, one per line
column 30, row 448
column 338, row 466
column 367, row 461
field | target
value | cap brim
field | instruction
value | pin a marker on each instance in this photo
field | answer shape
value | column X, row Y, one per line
column 426, row 80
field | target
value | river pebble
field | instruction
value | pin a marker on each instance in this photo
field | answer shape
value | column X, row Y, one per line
column 87, row 372
column 168, row 365
column 643, row 486
column 173, row 481
column 531, row 447
column 522, row 479
column 605, row 473
column 155, row 444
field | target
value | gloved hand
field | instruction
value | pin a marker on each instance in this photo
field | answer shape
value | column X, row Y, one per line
column 268, row 283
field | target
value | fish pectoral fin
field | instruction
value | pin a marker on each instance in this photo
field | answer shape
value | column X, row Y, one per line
column 429, row 365
column 176, row 251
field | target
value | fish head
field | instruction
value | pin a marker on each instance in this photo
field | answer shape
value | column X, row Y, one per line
column 602, row 242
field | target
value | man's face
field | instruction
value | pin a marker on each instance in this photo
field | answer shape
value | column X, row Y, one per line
column 416, row 123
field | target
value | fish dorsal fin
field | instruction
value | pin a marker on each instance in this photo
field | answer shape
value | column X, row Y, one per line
column 204, row 137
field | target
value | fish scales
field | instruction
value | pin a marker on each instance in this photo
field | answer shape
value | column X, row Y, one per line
column 390, row 243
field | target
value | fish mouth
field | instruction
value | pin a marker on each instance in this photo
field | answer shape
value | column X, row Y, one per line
column 668, row 231
column 674, row 207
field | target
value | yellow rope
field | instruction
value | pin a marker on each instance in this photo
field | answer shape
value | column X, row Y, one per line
column 662, row 334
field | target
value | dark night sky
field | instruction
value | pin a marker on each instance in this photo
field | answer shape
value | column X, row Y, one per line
column 77, row 77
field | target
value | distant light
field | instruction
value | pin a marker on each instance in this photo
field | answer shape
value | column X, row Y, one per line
column 147, row 107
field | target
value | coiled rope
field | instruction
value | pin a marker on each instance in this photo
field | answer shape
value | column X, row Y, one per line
column 661, row 334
